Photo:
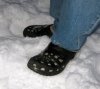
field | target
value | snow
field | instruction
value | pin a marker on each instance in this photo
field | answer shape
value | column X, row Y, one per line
column 83, row 72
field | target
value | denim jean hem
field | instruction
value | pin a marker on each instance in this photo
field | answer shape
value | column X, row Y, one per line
column 92, row 28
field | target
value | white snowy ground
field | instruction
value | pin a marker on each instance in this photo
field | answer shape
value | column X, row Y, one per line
column 15, row 50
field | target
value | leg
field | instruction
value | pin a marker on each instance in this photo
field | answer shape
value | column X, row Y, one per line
column 77, row 20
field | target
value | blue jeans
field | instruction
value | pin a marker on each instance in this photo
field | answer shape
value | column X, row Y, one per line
column 74, row 21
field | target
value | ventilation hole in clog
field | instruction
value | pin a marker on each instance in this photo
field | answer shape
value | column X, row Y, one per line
column 41, row 62
column 34, row 65
column 42, row 69
column 63, row 66
column 49, row 64
column 51, row 54
column 57, row 70
column 50, row 70
column 35, row 68
column 55, row 64
column 46, row 53
column 61, row 60
column 52, row 60
column 56, row 56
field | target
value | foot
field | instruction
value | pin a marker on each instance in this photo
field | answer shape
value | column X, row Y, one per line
column 37, row 30
column 52, row 61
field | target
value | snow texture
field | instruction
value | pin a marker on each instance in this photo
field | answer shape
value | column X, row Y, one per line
column 83, row 72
